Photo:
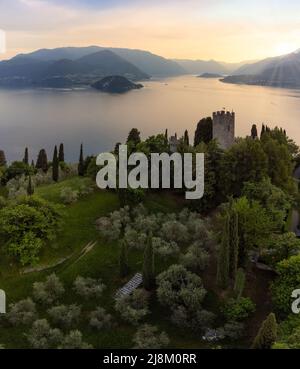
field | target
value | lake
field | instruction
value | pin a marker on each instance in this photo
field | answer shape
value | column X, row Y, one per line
column 43, row 118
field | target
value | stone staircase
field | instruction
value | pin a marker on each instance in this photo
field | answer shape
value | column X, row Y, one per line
column 129, row 287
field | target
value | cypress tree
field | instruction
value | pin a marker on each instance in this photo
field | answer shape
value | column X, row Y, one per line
column 148, row 265
column 2, row 159
column 223, row 257
column 263, row 130
column 26, row 157
column 55, row 166
column 123, row 261
column 233, row 243
column 42, row 161
column 166, row 137
column 254, row 133
column 30, row 188
column 134, row 136
column 61, row 153
column 32, row 163
column 267, row 334
column 81, row 163
column 186, row 138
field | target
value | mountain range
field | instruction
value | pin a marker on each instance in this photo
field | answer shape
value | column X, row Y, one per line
column 281, row 71
column 71, row 66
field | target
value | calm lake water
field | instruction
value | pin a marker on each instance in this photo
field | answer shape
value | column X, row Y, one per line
column 43, row 118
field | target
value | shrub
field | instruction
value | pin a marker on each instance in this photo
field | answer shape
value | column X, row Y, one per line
column 133, row 308
column 198, row 321
column 131, row 197
column 267, row 334
column 49, row 291
column 240, row 309
column 285, row 283
column 68, row 196
column 22, row 312
column 42, row 336
column 148, row 337
column 65, row 315
column 100, row 319
column 88, row 287
column 73, row 341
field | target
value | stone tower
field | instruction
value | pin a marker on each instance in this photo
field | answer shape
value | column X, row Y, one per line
column 224, row 128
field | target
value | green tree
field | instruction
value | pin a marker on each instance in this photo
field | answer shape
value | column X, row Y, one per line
column 287, row 281
column 25, row 226
column 123, row 261
column 254, row 227
column 224, row 255
column 55, row 166
column 204, row 131
column 148, row 266
column 30, row 187
column 134, row 137
column 267, row 334
column 81, row 162
column 245, row 161
column 280, row 162
column 2, row 159
column 274, row 200
column 283, row 246
column 213, row 181
column 26, row 157
column 186, row 138
column 42, row 161
column 233, row 242
column 254, row 133
column 61, row 154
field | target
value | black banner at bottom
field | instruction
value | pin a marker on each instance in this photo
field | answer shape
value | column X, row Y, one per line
column 134, row 358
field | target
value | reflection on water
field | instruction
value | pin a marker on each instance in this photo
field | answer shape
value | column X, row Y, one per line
column 43, row 118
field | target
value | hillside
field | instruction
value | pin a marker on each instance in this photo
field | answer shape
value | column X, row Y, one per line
column 282, row 71
column 32, row 71
column 149, row 63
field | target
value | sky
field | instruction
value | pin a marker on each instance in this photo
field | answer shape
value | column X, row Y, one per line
column 224, row 30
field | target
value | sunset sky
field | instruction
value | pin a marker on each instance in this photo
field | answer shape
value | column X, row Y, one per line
column 225, row 30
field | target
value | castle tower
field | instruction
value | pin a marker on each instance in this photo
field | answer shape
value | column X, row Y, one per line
column 224, row 128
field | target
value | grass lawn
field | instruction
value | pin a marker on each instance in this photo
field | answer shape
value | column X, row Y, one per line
column 101, row 262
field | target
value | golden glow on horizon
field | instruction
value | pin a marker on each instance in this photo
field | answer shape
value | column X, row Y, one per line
column 285, row 48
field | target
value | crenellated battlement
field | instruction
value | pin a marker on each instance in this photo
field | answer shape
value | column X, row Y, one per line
column 222, row 113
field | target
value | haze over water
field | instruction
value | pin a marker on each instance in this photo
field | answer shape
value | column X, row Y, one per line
column 42, row 118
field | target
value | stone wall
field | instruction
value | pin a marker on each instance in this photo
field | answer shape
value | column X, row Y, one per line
column 224, row 128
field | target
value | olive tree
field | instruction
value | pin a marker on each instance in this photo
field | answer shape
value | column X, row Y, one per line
column 22, row 312
column 42, row 336
column 49, row 291
column 133, row 308
column 148, row 337
column 88, row 287
column 179, row 287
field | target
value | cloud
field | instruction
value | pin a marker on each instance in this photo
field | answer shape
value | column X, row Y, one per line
column 219, row 29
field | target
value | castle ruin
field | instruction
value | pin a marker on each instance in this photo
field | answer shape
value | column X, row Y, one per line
column 224, row 128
